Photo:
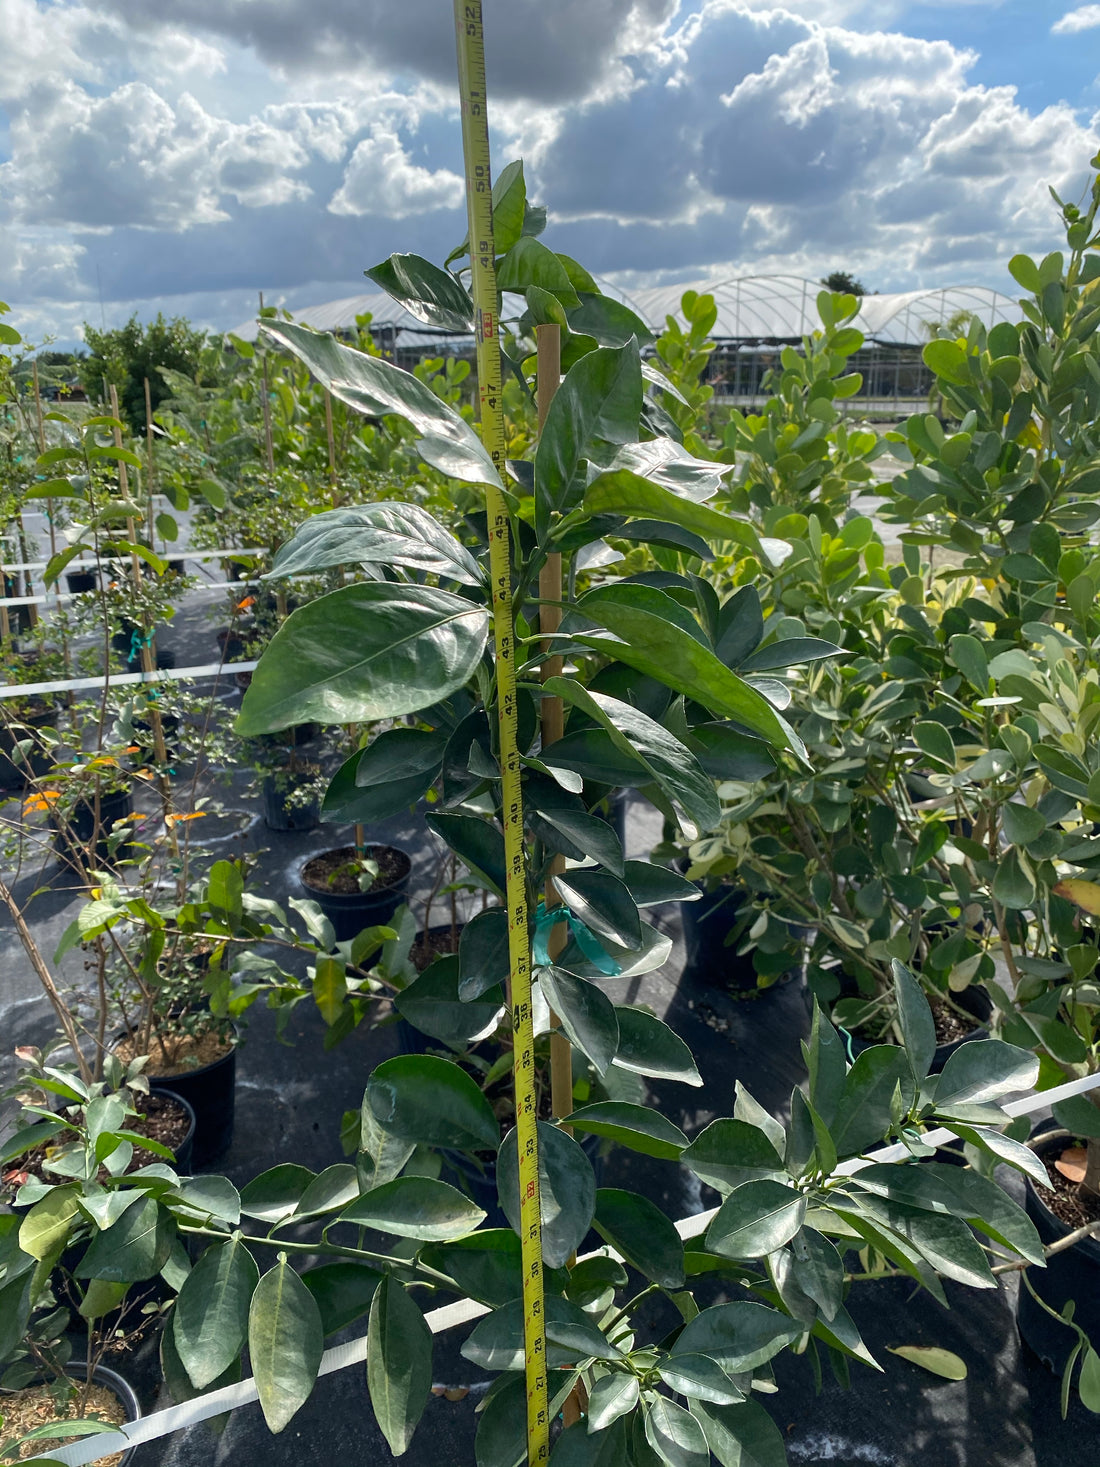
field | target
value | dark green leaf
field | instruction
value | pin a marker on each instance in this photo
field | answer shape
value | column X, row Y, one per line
column 210, row 1320
column 432, row 1102
column 612, row 1396
column 430, row 294
column 378, row 388
column 285, row 1343
column 400, row 535
column 370, row 650
column 649, row 1047
column 864, row 1112
column 650, row 884
column 644, row 1236
column 416, row 1207
column 496, row 1342
column 622, row 491
column 587, row 1014
column 756, row 1219
column 728, row 1153
column 483, row 960
column 790, row 652
column 475, row 842
column 818, row 1270
column 634, row 1126
column 529, row 262
column 984, row 1069
column 487, row 1265
column 918, row 1028
column 433, row 1004
column 133, row 1248
column 275, row 1194
column 609, row 321
column 742, row 1435
column 587, row 835
column 673, row 767
column 675, row 1435
column 739, row 1336
column 701, row 1378
column 567, row 1191
column 399, row 1363
column 602, row 902
column 1022, row 824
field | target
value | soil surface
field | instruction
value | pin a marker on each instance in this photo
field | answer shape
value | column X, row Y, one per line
column 1065, row 1201
column 180, row 1054
column 161, row 1119
column 951, row 1025
column 23, row 1411
column 332, row 870
column 431, row 945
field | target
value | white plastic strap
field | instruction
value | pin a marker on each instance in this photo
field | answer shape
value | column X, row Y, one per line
column 230, row 1398
column 170, row 553
column 124, row 679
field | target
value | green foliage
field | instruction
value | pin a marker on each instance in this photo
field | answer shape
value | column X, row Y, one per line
column 126, row 356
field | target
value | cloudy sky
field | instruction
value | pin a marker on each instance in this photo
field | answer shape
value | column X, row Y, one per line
column 184, row 156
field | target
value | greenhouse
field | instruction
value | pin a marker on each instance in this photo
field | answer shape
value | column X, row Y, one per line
column 549, row 849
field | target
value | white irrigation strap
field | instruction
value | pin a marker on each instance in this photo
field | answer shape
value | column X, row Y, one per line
column 230, row 1398
column 171, row 553
column 124, row 679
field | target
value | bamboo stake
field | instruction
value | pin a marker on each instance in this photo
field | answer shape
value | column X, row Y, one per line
column 268, row 440
column 148, row 655
column 149, row 464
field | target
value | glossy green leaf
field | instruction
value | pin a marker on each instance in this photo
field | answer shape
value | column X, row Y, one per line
column 612, row 1396
column 699, row 1377
column 475, row 842
column 487, row 1265
column 345, row 803
column 756, row 1219
column 864, row 1112
column 399, row 1363
column 608, row 320
column 567, row 1191
column 636, row 1127
column 501, row 1439
column 432, row 1102
column 649, row 1047
column 416, row 1207
column 728, row 1153
column 370, row 650
column 741, row 1436
column 650, row 884
column 432, row 1003
column 483, row 960
column 945, row 1242
column 46, row 1226
column 330, row 1190
column 378, row 388
column 599, row 400
column 602, row 902
column 791, row 652
column 918, row 1028
column 400, row 535
column 739, row 1336
column 984, row 1069
column 675, row 1435
column 672, row 766
column 528, row 263
column 587, row 835
column 624, row 491
column 210, row 1321
column 496, row 1342
column 969, row 657
column 586, row 1013
column 1022, row 824
column 430, row 294
column 135, row 1247
column 934, row 740
column 285, row 1343
column 642, row 1233
column 818, row 1270
column 275, row 1194
column 654, row 642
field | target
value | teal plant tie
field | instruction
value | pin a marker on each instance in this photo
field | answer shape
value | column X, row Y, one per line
column 138, row 640
column 549, row 917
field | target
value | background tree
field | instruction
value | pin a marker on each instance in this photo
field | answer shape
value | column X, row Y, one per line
column 842, row 282
column 126, row 355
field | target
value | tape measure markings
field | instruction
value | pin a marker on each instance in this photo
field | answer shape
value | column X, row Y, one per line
column 475, row 149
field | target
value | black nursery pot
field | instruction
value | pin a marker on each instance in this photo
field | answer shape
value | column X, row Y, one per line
column 350, row 912
column 17, row 769
column 210, row 1091
column 74, row 839
column 280, row 815
column 231, row 643
column 77, row 1372
column 1072, row 1274
column 82, row 580
column 707, row 924
column 974, row 1000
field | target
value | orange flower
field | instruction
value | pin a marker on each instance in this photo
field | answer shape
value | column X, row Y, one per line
column 171, row 820
column 246, row 603
column 41, row 801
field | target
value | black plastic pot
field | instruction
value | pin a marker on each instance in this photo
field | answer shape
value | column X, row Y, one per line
column 77, row 1371
column 1072, row 1274
column 75, row 838
column 279, row 815
column 82, row 580
column 210, row 1094
column 185, row 1151
column 350, row 912
column 975, row 1000
column 17, row 769
column 163, row 659
column 231, row 643
column 707, row 924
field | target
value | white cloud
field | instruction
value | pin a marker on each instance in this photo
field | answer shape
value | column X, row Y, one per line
column 1084, row 18
column 381, row 179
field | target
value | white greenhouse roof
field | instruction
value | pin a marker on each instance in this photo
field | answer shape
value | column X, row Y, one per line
column 750, row 308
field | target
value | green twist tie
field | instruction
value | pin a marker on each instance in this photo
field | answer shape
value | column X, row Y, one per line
column 549, row 917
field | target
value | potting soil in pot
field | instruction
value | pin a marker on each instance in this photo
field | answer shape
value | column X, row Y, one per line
column 181, row 1055
column 25, row 1410
column 1065, row 1200
column 331, row 870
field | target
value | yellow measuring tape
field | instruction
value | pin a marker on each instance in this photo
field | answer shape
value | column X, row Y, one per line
column 479, row 205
